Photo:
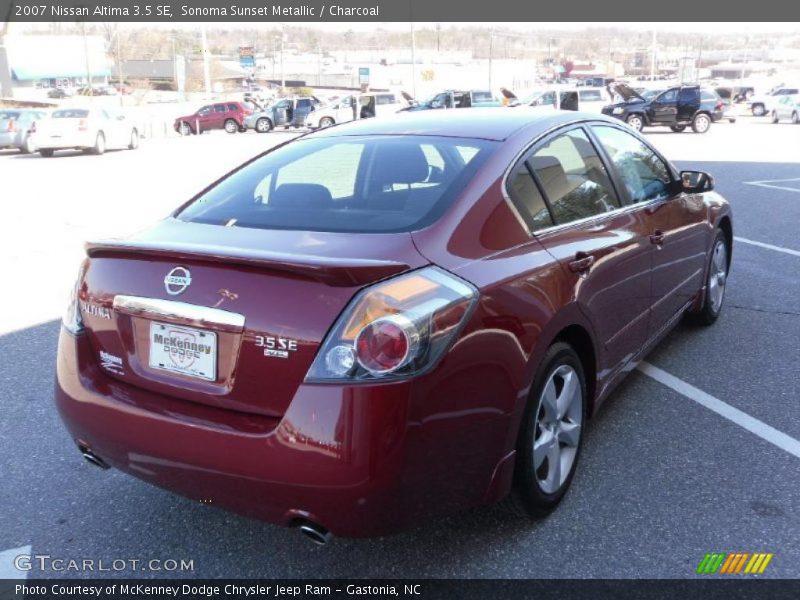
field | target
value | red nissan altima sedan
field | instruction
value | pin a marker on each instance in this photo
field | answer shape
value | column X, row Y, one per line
column 391, row 319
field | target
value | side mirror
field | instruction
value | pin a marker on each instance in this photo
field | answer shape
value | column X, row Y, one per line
column 696, row 182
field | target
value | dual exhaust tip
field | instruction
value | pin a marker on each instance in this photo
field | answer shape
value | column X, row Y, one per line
column 316, row 533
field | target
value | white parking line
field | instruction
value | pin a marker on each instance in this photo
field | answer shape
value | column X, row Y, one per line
column 7, row 568
column 768, row 246
column 742, row 419
column 767, row 183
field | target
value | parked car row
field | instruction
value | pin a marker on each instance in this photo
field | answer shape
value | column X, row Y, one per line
column 89, row 129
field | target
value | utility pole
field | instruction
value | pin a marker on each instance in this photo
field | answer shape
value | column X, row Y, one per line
column 283, row 72
column 438, row 36
column 491, row 44
column 90, row 89
column 413, row 62
column 653, row 58
column 206, row 66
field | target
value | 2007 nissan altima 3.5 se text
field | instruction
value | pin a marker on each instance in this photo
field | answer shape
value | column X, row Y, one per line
column 389, row 320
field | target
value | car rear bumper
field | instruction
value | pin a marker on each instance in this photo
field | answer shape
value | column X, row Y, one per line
column 82, row 140
column 353, row 459
column 9, row 139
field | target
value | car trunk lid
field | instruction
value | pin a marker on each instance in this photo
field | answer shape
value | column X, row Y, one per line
column 229, row 317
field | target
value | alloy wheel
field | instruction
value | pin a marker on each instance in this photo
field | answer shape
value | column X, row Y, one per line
column 717, row 275
column 559, row 419
column 635, row 122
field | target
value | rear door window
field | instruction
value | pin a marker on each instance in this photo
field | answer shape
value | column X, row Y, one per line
column 573, row 178
column 220, row 108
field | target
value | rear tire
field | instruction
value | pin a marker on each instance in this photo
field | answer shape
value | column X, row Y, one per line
column 678, row 128
column 99, row 145
column 231, row 126
column 46, row 152
column 795, row 118
column 185, row 129
column 326, row 122
column 28, row 147
column 551, row 434
column 716, row 280
column 635, row 121
column 774, row 116
column 701, row 123
column 758, row 110
column 134, row 143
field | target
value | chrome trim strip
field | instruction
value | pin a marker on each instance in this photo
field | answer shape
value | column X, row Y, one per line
column 170, row 310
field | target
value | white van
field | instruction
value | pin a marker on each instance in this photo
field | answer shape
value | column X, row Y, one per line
column 581, row 99
column 356, row 106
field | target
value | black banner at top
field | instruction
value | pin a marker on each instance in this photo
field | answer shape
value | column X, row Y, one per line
column 476, row 11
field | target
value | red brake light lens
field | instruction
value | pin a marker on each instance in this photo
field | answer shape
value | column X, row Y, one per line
column 400, row 327
column 12, row 125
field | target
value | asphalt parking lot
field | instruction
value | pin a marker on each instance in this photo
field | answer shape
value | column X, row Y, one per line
column 663, row 478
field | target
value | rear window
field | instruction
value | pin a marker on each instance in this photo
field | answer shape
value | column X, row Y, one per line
column 351, row 184
column 482, row 96
column 591, row 95
column 7, row 115
column 72, row 113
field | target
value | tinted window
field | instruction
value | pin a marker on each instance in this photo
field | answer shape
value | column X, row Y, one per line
column 304, row 103
column 359, row 184
column 528, row 199
column 573, row 177
column 219, row 108
column 385, row 99
column 668, row 96
column 645, row 175
column 689, row 95
column 591, row 95
column 708, row 96
column 482, row 96
column 232, row 107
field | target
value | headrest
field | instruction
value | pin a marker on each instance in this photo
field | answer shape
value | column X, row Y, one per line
column 300, row 196
column 400, row 163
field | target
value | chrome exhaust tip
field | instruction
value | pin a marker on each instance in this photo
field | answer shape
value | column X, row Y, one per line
column 316, row 533
column 91, row 457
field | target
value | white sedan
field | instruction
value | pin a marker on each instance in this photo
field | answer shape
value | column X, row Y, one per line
column 89, row 129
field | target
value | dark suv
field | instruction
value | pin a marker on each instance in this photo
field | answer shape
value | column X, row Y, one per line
column 676, row 108
column 222, row 115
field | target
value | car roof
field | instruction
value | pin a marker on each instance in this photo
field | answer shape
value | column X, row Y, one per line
column 484, row 123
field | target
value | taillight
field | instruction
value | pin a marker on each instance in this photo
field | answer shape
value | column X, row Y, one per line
column 72, row 320
column 397, row 328
column 33, row 127
column 83, row 125
column 12, row 125
column 720, row 105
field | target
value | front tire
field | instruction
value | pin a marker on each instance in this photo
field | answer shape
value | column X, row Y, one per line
column 551, row 434
column 795, row 118
column 758, row 110
column 636, row 122
column 185, row 129
column 677, row 128
column 134, row 143
column 701, row 123
column 263, row 126
column 46, row 152
column 716, row 280
column 774, row 116
column 231, row 126
column 326, row 122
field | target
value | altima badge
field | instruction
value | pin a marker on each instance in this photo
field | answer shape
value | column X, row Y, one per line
column 177, row 281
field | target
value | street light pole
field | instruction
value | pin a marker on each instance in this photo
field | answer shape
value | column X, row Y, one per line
column 491, row 44
column 413, row 62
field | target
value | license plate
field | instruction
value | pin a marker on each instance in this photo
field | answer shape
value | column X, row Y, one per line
column 183, row 350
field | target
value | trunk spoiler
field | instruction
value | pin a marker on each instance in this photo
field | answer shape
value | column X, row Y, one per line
column 332, row 271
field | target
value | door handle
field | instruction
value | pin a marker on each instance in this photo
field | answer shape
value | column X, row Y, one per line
column 582, row 263
column 658, row 237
